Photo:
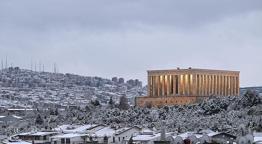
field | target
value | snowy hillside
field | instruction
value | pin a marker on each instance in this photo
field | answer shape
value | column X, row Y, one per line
column 25, row 88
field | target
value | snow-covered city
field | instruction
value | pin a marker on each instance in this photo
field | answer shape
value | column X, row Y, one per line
column 130, row 72
column 44, row 107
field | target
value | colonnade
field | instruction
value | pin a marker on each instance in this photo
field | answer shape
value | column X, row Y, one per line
column 193, row 85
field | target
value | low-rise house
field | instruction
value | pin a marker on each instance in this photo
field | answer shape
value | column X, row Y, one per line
column 104, row 135
column 209, row 136
column 69, row 138
column 125, row 133
column 89, row 128
column 36, row 137
column 9, row 119
column 146, row 136
column 225, row 137
column 257, row 138
column 15, row 142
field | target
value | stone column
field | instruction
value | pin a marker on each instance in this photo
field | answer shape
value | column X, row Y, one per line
column 149, row 85
column 168, row 85
column 215, row 85
column 234, row 83
column 226, row 88
column 201, row 85
column 238, row 86
column 158, row 86
column 182, row 84
column 222, row 85
column 153, row 85
column 208, row 85
column 193, row 85
column 212, row 85
column 218, row 85
column 163, row 85
column 204, row 85
column 174, row 84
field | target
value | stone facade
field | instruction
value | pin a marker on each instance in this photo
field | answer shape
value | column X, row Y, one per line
column 184, row 86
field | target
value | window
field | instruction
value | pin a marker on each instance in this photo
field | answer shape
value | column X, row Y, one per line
column 118, row 138
column 67, row 141
column 62, row 141
column 114, row 140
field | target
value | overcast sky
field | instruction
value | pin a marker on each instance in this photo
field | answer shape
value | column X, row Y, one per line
column 126, row 38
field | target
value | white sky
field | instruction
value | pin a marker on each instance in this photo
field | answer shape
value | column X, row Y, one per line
column 127, row 37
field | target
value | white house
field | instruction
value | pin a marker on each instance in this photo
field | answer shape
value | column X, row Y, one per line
column 36, row 137
column 15, row 142
column 258, row 138
column 124, row 134
column 89, row 128
column 102, row 135
column 70, row 138
column 146, row 136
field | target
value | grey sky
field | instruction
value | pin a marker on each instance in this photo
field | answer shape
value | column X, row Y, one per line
column 127, row 37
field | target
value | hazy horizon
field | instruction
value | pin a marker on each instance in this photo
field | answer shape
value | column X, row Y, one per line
column 127, row 38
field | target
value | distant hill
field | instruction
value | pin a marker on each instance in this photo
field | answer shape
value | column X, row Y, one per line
column 56, row 89
column 244, row 89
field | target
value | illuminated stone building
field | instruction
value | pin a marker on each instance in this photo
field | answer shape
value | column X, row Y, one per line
column 184, row 86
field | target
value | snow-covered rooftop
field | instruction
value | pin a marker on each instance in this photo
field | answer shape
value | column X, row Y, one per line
column 75, row 128
column 18, row 142
column 69, row 135
column 37, row 133
column 142, row 137
column 106, row 131
column 257, row 137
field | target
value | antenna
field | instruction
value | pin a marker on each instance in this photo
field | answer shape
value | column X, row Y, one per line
column 35, row 67
column 31, row 67
column 2, row 64
column 6, row 62
column 39, row 66
column 55, row 68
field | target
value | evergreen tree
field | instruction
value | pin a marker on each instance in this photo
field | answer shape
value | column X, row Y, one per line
column 130, row 141
column 123, row 103
column 39, row 120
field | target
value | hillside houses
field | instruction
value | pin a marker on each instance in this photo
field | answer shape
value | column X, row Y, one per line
column 101, row 134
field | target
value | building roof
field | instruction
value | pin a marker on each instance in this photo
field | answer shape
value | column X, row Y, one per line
column 125, row 129
column 106, row 131
column 142, row 137
column 257, row 137
column 9, row 118
column 191, row 70
column 75, row 128
column 17, row 142
column 69, row 135
column 36, row 133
